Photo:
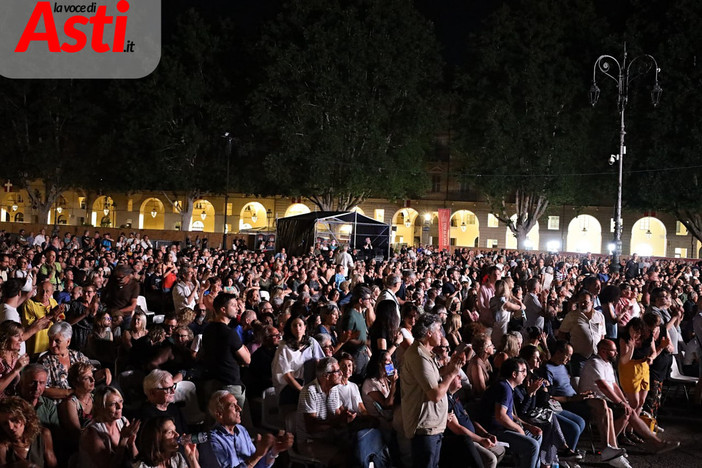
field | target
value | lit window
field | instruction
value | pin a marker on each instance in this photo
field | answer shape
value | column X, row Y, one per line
column 554, row 222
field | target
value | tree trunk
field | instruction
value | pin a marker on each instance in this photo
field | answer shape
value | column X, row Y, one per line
column 186, row 212
column 42, row 203
column 692, row 221
column 529, row 208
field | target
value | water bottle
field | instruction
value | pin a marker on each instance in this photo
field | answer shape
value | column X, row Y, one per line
column 555, row 464
column 197, row 438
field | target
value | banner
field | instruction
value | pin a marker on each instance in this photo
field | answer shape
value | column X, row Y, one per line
column 444, row 229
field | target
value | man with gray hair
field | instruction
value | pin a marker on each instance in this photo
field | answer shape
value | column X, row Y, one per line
column 31, row 388
column 424, row 388
column 320, row 416
column 160, row 390
column 229, row 444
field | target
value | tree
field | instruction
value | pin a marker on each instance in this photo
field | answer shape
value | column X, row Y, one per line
column 665, row 172
column 523, row 110
column 174, row 120
column 347, row 100
column 48, row 134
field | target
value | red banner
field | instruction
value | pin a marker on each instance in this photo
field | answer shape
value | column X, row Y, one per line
column 444, row 228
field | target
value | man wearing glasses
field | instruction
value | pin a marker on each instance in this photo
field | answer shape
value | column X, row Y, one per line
column 321, row 418
column 260, row 373
column 497, row 415
column 160, row 394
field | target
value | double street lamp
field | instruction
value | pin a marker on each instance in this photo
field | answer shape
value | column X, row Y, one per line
column 623, row 74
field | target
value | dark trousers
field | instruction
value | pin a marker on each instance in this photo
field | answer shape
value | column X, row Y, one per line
column 458, row 451
column 426, row 450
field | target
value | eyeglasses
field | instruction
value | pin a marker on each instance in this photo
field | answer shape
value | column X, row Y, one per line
column 274, row 335
column 167, row 389
column 183, row 335
column 336, row 371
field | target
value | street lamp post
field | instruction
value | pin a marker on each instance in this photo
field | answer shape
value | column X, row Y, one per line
column 623, row 74
column 227, row 154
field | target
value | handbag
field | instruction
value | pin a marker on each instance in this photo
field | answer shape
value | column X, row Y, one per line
column 540, row 415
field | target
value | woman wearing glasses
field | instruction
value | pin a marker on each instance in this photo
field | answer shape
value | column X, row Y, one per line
column 160, row 394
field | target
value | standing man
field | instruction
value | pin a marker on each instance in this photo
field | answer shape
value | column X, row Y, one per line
column 424, row 389
column 533, row 304
column 185, row 292
column 120, row 295
column 37, row 309
column 586, row 328
column 392, row 286
column 222, row 350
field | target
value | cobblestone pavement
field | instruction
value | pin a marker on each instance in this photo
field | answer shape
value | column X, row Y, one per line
column 681, row 422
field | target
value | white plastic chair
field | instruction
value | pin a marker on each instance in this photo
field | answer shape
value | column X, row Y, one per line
column 677, row 379
column 187, row 394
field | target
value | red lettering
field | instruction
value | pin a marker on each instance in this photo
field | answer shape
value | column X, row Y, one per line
column 120, row 31
column 30, row 34
column 71, row 31
column 99, row 21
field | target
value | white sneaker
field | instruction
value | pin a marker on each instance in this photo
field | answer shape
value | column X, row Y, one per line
column 611, row 453
column 619, row 462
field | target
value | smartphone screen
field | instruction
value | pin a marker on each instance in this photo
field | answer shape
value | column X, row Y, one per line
column 389, row 369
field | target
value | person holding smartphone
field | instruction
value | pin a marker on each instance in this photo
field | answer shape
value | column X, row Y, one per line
column 378, row 390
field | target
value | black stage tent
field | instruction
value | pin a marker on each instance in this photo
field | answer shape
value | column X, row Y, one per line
column 298, row 233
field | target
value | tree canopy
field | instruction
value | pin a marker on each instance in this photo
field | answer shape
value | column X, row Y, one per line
column 347, row 101
column 523, row 111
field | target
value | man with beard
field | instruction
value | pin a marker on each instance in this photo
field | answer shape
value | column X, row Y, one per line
column 598, row 377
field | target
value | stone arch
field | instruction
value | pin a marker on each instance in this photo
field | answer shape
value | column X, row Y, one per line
column 297, row 209
column 253, row 216
column 584, row 235
column 103, row 212
column 465, row 229
column 203, row 216
column 403, row 226
column 648, row 237
column 152, row 214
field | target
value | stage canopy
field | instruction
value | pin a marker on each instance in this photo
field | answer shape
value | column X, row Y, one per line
column 298, row 233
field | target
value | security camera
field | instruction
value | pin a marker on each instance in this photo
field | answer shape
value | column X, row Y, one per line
column 612, row 159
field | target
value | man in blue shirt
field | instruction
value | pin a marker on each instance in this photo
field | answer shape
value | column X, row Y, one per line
column 497, row 415
column 230, row 445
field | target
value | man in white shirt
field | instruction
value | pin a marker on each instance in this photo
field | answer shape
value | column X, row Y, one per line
column 598, row 377
column 185, row 292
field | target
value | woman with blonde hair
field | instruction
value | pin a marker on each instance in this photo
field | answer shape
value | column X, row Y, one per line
column 11, row 362
column 479, row 369
column 509, row 348
column 453, row 327
column 502, row 306
column 110, row 439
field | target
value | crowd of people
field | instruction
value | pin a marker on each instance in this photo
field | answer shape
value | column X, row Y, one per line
column 116, row 352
